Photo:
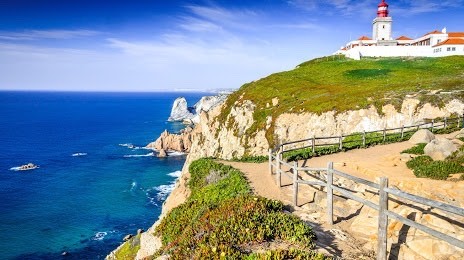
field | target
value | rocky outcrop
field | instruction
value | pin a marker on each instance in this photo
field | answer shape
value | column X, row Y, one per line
column 173, row 142
column 440, row 148
column 423, row 136
column 180, row 111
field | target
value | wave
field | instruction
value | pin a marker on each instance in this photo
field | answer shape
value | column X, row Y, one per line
column 78, row 154
column 139, row 155
column 15, row 168
column 128, row 145
column 175, row 174
column 134, row 147
column 175, row 153
column 99, row 236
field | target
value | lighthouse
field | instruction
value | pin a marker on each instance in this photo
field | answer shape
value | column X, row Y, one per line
column 382, row 26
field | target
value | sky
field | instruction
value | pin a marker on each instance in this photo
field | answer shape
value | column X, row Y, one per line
column 160, row 45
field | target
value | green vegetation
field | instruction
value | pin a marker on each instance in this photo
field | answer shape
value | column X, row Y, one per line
column 353, row 141
column 425, row 167
column 129, row 249
column 341, row 84
column 417, row 149
column 221, row 219
column 252, row 159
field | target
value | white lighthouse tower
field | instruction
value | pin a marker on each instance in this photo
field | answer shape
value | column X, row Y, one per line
column 382, row 26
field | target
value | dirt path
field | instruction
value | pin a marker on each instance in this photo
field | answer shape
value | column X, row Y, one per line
column 371, row 163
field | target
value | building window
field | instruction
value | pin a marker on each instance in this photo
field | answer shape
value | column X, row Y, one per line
column 383, row 26
column 453, row 49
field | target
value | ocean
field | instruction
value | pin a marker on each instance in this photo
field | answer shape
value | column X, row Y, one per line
column 96, row 183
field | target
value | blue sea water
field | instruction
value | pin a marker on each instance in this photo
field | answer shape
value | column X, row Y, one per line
column 82, row 204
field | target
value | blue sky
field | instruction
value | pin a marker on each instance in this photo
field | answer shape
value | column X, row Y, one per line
column 153, row 45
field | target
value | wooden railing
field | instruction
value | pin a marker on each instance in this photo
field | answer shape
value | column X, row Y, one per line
column 366, row 136
column 279, row 167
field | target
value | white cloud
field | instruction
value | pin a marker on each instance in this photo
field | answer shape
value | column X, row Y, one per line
column 367, row 7
column 46, row 34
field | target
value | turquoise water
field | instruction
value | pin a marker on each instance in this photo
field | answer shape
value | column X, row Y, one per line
column 82, row 204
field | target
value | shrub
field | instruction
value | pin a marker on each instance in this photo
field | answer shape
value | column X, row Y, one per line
column 221, row 217
column 417, row 149
column 425, row 167
column 252, row 159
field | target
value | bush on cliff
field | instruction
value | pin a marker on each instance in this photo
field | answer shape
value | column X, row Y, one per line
column 426, row 167
column 221, row 219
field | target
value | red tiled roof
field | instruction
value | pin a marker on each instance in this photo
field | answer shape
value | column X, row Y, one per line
column 364, row 38
column 451, row 41
column 404, row 38
column 456, row 34
column 434, row 32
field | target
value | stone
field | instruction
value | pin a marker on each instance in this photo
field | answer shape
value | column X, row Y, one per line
column 440, row 148
column 180, row 111
column 275, row 102
column 139, row 231
column 162, row 153
column 422, row 136
column 127, row 237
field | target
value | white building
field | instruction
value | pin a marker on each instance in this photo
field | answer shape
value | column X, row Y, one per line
column 382, row 44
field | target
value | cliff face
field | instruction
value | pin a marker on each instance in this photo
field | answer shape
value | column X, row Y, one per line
column 233, row 138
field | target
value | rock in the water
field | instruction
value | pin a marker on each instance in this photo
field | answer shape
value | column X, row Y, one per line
column 162, row 153
column 139, row 231
column 423, row 136
column 180, row 111
column 127, row 237
column 440, row 148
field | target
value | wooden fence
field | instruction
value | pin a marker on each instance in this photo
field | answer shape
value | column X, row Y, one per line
column 384, row 192
column 366, row 136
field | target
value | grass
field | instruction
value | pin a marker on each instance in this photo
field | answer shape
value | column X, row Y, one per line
column 221, row 219
column 425, row 167
column 417, row 149
column 129, row 249
column 342, row 84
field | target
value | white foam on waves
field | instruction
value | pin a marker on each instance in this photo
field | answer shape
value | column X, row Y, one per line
column 175, row 153
column 139, row 155
column 78, row 154
column 175, row 174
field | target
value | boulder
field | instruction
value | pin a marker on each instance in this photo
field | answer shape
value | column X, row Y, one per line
column 180, row 111
column 440, row 148
column 162, row 153
column 139, row 231
column 422, row 136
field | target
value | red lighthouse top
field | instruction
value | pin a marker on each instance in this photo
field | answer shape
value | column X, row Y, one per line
column 382, row 10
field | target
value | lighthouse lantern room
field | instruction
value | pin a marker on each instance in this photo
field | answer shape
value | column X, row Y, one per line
column 382, row 26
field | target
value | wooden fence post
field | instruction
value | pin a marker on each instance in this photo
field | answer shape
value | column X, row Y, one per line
column 314, row 144
column 402, row 132
column 340, row 142
column 270, row 161
column 364, row 138
column 459, row 120
column 445, row 121
column 384, row 134
column 330, row 193
column 433, row 122
column 295, row 183
column 383, row 220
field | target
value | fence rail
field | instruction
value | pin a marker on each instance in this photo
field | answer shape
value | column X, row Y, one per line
column 366, row 136
column 385, row 193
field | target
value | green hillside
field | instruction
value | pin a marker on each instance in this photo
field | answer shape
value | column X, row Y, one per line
column 340, row 84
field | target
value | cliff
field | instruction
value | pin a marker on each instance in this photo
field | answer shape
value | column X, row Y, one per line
column 267, row 112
